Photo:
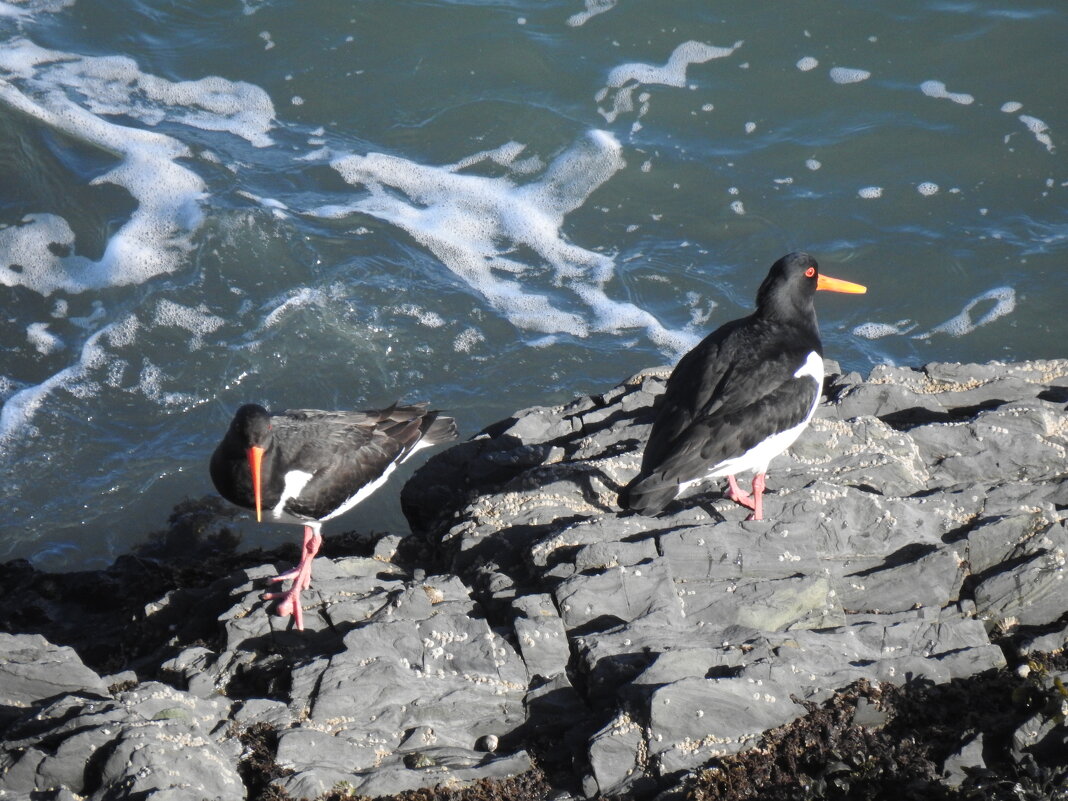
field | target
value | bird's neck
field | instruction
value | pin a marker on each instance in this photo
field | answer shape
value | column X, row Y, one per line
column 802, row 315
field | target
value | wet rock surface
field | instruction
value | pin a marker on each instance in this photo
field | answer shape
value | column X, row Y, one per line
column 915, row 538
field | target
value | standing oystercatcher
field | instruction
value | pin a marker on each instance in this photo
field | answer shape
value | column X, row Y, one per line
column 742, row 396
column 306, row 466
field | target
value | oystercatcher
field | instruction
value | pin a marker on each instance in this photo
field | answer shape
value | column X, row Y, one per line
column 306, row 466
column 742, row 396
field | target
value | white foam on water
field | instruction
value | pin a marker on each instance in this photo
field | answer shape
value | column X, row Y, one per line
column 114, row 85
column 870, row 192
column 306, row 296
column 845, row 75
column 624, row 79
column 1004, row 298
column 738, row 207
column 19, row 409
column 43, row 340
column 937, row 89
column 150, row 384
column 476, row 225
column 880, row 330
column 40, row 83
column 428, row 318
column 25, row 9
column 813, row 164
column 101, row 363
column 593, row 8
column 1039, row 129
column 927, row 188
column 1011, row 107
column 507, row 155
column 197, row 321
column 807, row 63
column 467, row 339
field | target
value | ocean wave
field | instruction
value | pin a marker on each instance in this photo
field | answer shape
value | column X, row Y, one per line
column 482, row 228
column 74, row 94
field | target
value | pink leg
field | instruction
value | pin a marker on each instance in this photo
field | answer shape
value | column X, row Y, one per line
column 738, row 495
column 743, row 498
column 758, row 495
column 301, row 575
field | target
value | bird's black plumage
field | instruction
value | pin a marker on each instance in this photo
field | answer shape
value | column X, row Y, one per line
column 307, row 466
column 343, row 452
column 745, row 382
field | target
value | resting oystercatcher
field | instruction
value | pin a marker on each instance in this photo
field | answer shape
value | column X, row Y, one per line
column 306, row 466
column 742, row 396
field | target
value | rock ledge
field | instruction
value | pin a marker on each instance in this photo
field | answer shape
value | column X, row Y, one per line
column 917, row 522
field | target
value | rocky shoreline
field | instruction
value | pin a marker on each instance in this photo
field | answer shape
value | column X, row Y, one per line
column 529, row 641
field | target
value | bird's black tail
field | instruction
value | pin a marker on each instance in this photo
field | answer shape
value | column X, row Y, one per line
column 648, row 495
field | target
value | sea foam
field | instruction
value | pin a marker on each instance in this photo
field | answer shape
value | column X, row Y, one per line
column 624, row 79
column 938, row 89
column 849, row 75
column 1004, row 300
column 476, row 225
column 593, row 8
column 40, row 83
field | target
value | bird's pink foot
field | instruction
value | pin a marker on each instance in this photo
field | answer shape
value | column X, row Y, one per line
column 289, row 605
column 743, row 498
column 301, row 577
column 738, row 495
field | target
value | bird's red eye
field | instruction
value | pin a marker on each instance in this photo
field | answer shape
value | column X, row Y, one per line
column 811, row 271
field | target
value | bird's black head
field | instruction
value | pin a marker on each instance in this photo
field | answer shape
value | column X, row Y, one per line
column 251, row 426
column 792, row 282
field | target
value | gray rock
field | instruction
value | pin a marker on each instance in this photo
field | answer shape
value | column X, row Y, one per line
column 969, row 755
column 617, row 756
column 910, row 491
column 541, row 635
column 34, row 670
column 919, row 515
column 153, row 741
column 1030, row 590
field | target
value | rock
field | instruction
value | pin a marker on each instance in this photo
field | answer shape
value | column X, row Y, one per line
column 34, row 670
column 969, row 755
column 151, row 742
column 901, row 530
column 914, row 529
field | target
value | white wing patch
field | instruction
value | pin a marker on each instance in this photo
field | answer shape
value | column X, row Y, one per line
column 362, row 493
column 813, row 367
column 295, row 482
column 370, row 487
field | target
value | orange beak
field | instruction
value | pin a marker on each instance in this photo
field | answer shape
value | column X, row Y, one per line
column 838, row 285
column 255, row 456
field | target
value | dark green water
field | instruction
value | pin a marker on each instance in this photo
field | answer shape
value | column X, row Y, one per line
column 485, row 205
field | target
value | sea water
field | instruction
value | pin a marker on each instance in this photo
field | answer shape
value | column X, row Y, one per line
column 484, row 205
